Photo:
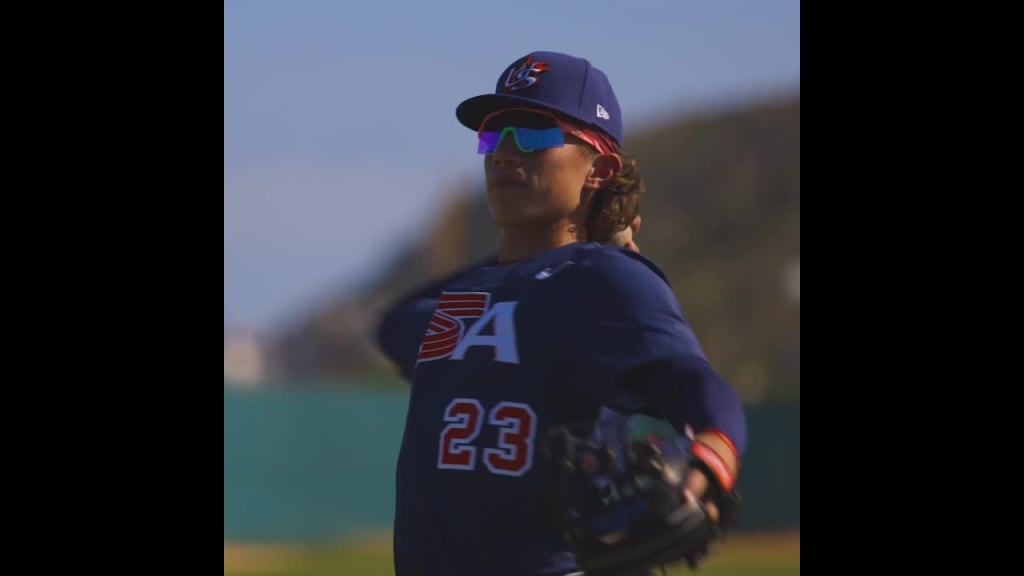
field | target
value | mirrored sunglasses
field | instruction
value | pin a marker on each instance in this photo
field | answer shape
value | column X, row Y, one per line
column 531, row 130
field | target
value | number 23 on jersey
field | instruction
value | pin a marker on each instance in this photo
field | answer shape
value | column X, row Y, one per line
column 513, row 455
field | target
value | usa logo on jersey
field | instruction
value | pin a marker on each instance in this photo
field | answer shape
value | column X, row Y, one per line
column 448, row 336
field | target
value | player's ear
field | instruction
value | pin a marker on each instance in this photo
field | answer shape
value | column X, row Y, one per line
column 602, row 168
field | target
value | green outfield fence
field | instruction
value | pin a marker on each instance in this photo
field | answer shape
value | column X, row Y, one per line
column 317, row 464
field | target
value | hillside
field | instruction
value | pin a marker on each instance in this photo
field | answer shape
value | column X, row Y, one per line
column 721, row 216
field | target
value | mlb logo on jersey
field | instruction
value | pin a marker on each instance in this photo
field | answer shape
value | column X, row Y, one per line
column 491, row 326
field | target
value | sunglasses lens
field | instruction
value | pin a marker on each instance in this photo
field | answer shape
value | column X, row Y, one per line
column 488, row 142
column 532, row 139
column 526, row 139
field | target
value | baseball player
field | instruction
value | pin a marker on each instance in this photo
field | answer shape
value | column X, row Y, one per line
column 566, row 322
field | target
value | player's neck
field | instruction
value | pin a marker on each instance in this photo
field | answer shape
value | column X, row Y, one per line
column 527, row 242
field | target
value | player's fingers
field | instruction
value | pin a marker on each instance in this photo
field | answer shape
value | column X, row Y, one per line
column 709, row 507
column 622, row 237
column 696, row 487
column 712, row 511
column 635, row 225
column 696, row 483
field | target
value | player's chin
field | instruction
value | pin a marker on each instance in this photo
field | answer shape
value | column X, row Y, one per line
column 517, row 214
column 513, row 204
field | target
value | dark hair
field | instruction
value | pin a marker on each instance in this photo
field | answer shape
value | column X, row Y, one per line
column 616, row 204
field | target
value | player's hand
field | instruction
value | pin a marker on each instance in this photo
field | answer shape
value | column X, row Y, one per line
column 696, row 487
column 697, row 483
column 625, row 237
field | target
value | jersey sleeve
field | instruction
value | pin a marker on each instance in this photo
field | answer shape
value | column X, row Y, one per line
column 402, row 326
column 634, row 351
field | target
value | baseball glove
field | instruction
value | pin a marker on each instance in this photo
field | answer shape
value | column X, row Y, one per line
column 619, row 498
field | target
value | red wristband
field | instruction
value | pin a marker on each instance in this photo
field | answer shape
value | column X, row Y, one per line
column 721, row 436
column 713, row 461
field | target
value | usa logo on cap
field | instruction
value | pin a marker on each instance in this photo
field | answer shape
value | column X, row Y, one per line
column 524, row 75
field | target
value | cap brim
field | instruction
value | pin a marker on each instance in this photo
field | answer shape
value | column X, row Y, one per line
column 472, row 112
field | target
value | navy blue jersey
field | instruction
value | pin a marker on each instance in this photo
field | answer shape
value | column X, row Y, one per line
column 498, row 354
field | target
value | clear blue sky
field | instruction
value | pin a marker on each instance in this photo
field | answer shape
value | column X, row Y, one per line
column 340, row 136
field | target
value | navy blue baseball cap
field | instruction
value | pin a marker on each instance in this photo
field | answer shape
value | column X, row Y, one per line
column 551, row 81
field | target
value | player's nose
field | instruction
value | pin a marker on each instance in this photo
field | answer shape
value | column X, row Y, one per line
column 506, row 152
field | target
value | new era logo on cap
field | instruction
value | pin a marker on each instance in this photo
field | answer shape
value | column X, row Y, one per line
column 553, row 81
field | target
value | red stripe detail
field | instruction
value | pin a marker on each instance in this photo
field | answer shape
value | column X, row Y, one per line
column 449, row 342
column 433, row 354
column 441, row 321
column 439, row 325
column 715, row 463
column 463, row 312
column 439, row 336
column 439, row 350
